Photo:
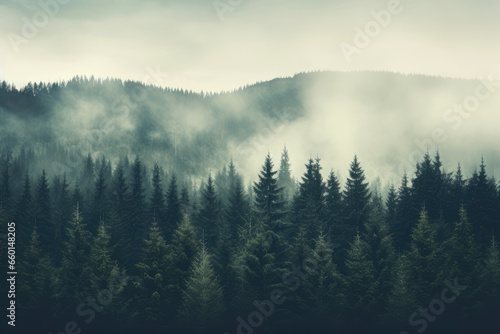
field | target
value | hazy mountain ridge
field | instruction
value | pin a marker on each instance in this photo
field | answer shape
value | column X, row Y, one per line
column 198, row 132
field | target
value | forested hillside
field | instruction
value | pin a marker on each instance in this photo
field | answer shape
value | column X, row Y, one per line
column 330, row 114
column 136, row 247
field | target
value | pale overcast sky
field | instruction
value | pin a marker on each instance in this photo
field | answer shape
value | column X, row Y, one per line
column 193, row 48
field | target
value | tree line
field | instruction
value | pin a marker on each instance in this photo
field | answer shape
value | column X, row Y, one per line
column 199, row 257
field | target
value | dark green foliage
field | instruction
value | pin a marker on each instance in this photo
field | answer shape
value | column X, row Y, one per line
column 333, row 208
column 173, row 213
column 401, row 300
column 181, row 253
column 209, row 215
column 36, row 288
column 381, row 250
column 152, row 292
column 424, row 257
column 360, row 278
column 252, row 236
column 309, row 203
column 158, row 209
column 202, row 299
column 42, row 212
column 321, row 293
column 356, row 200
column 285, row 180
column 74, row 273
column 269, row 205
column 404, row 216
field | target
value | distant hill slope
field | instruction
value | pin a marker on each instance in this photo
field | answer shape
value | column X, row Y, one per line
column 382, row 117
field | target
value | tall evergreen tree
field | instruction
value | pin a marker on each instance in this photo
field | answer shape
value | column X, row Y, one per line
column 321, row 291
column 209, row 214
column 360, row 278
column 74, row 272
column 285, row 180
column 173, row 216
column 356, row 199
column 157, row 208
column 423, row 257
column 309, row 204
column 24, row 214
column 404, row 216
column 181, row 254
column 152, row 295
column 268, row 203
column 381, row 250
column 333, row 202
column 42, row 214
column 35, row 284
column 202, row 299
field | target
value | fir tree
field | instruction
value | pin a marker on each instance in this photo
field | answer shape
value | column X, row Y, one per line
column 173, row 216
column 268, row 203
column 356, row 199
column 152, row 283
column 74, row 274
column 43, row 211
column 202, row 299
column 423, row 257
column 285, row 180
column 209, row 214
column 333, row 201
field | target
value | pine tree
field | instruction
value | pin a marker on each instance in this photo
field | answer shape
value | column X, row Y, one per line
column 462, row 253
column 181, row 254
column 24, row 215
column 43, row 212
column 401, row 301
column 333, row 201
column 5, row 187
column 152, row 284
column 423, row 257
column 157, row 208
column 309, row 204
column 360, row 278
column 35, row 284
column 63, row 212
column 482, row 204
column 185, row 201
column 391, row 208
column 99, row 204
column 209, row 214
column 381, row 250
column 404, row 216
column 285, row 180
column 202, row 299
column 321, row 289
column 136, row 224
column 173, row 216
column 103, row 267
column 490, row 277
column 74, row 274
column 268, row 204
column 356, row 201
column 255, row 267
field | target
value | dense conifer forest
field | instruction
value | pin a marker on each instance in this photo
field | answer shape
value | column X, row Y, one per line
column 135, row 247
